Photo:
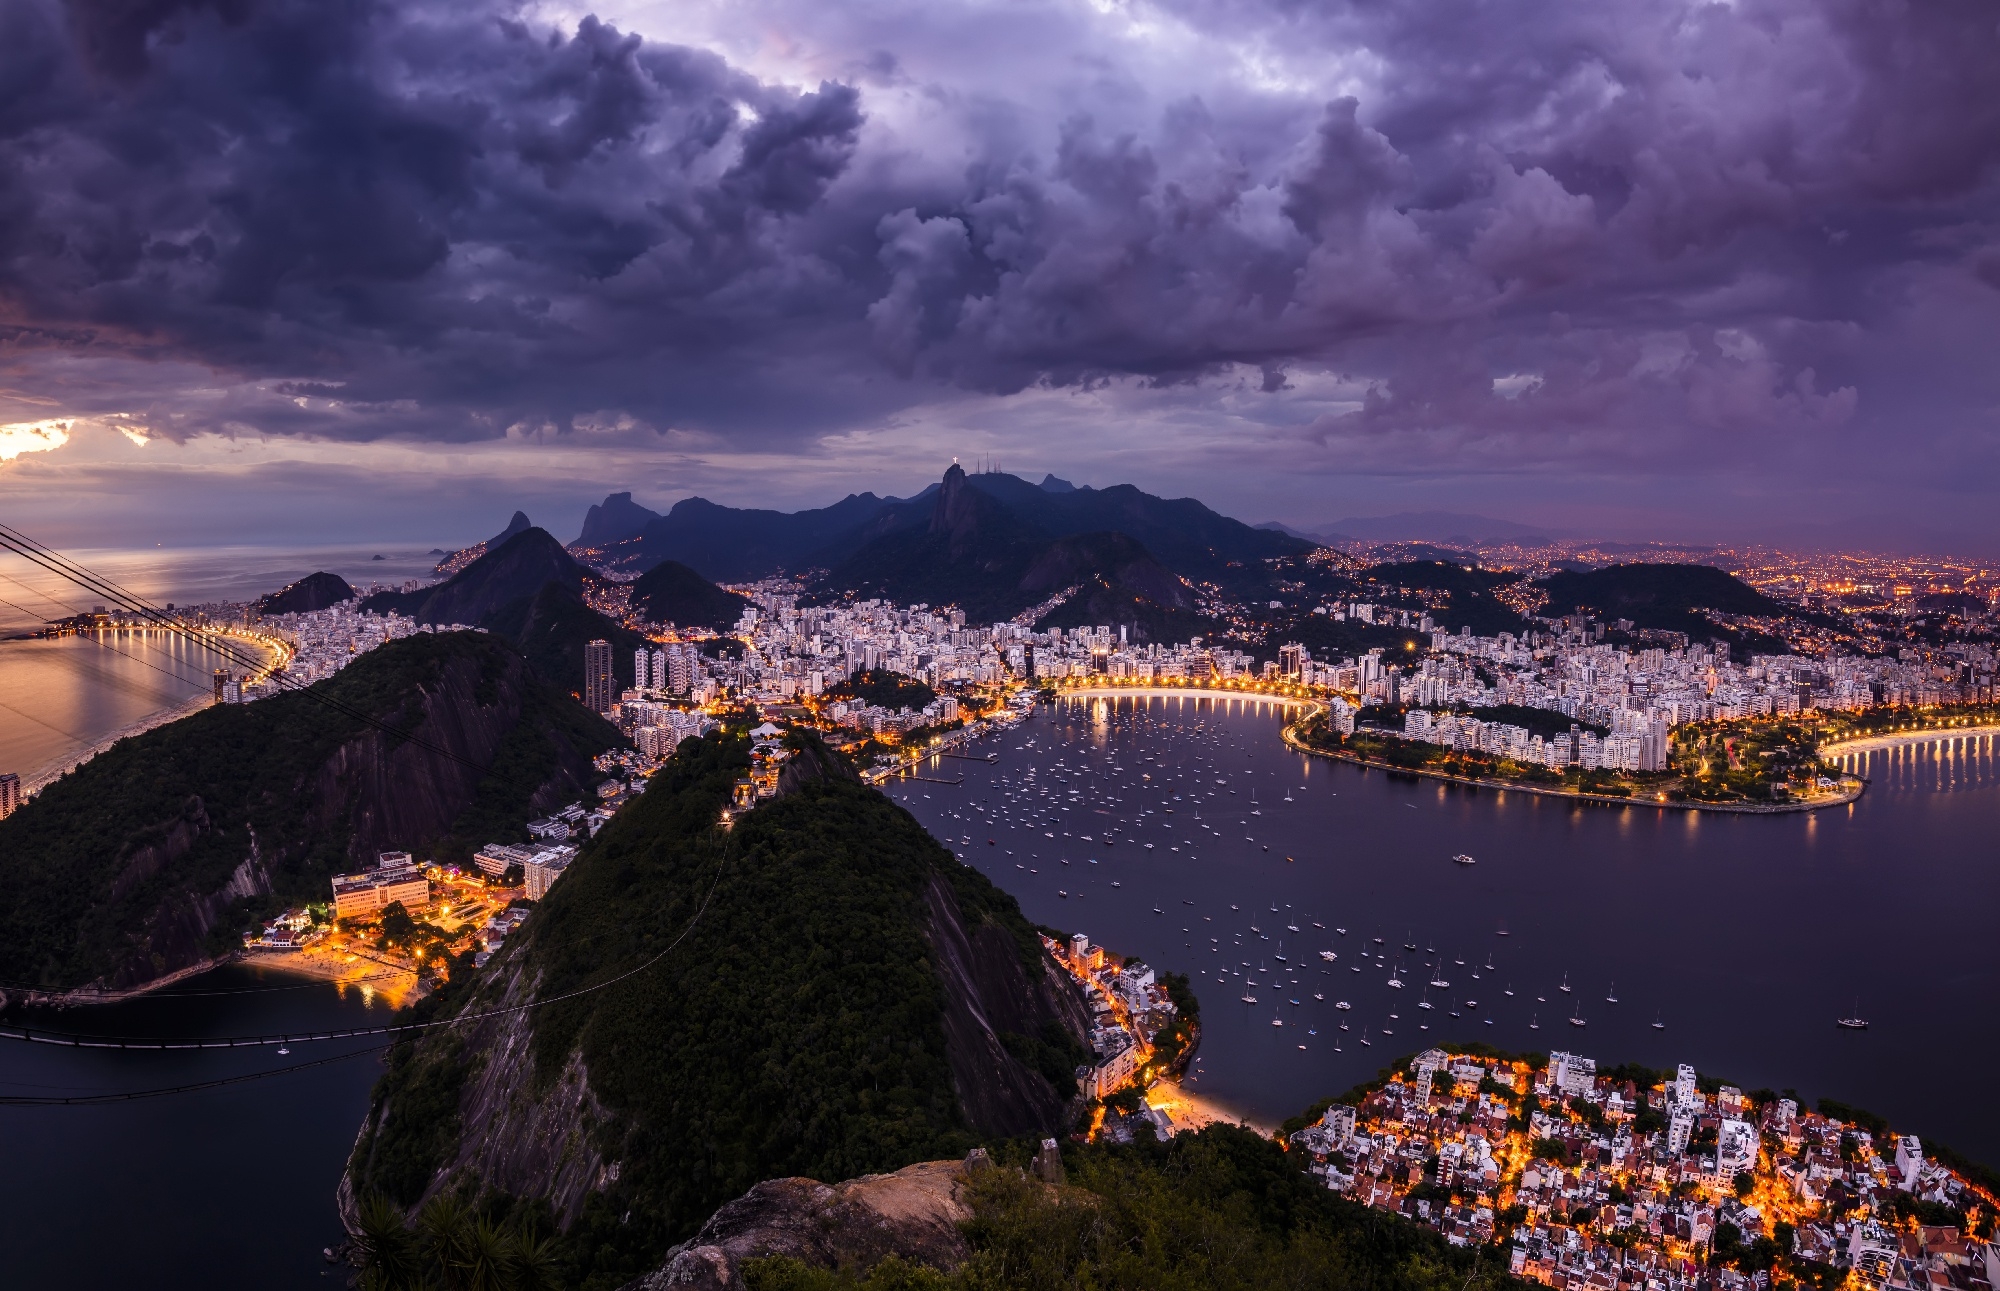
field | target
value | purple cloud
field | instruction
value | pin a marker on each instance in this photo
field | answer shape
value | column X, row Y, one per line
column 1525, row 234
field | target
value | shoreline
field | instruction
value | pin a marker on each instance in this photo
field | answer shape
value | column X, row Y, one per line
column 1187, row 1110
column 1851, row 788
column 49, row 772
column 393, row 983
column 396, row 985
column 85, row 995
column 1876, row 743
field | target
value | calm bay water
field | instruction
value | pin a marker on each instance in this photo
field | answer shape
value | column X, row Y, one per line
column 1745, row 936
column 229, row 1187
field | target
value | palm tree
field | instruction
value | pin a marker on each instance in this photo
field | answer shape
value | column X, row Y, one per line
column 390, row 1260
column 489, row 1251
column 445, row 1226
column 533, row 1266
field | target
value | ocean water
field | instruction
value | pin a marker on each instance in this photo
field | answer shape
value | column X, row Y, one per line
column 61, row 695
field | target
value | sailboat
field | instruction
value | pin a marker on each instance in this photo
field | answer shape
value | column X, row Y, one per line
column 1853, row 1021
column 1575, row 1020
column 1510, row 988
column 1657, row 1024
column 1611, row 996
column 1535, row 1022
column 1564, row 988
column 1425, row 1002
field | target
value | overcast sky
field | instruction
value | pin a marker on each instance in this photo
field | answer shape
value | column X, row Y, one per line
column 316, row 270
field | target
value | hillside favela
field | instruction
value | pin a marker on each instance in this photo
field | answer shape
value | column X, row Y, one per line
column 1042, row 647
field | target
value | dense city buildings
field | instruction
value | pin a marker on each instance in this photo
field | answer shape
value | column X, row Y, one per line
column 1663, row 1180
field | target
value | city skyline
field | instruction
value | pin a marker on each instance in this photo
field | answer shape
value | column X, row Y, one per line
column 1707, row 274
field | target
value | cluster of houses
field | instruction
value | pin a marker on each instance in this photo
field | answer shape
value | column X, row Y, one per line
column 1129, row 1008
column 1680, row 1185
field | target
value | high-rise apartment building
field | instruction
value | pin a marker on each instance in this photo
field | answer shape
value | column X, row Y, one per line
column 600, row 682
column 10, row 794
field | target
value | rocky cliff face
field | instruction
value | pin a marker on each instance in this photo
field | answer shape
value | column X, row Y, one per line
column 989, row 993
column 534, row 1139
column 914, row 1213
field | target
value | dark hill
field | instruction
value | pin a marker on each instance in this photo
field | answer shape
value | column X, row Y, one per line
column 160, row 851
column 519, row 524
column 529, row 590
column 670, row 592
column 1467, row 592
column 1180, row 533
column 616, row 518
column 1665, row 597
column 1121, row 585
column 313, row 592
column 509, row 572
column 971, row 551
column 977, row 549
column 850, row 998
column 739, row 545
column 551, row 629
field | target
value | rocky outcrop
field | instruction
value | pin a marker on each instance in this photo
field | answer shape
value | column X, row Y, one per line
column 535, row 1141
column 914, row 1213
column 989, row 992
column 313, row 592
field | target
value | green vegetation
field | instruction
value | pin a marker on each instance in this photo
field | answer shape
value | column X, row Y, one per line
column 797, row 1030
column 451, row 1247
column 1214, row 1211
column 885, row 689
column 1174, row 1046
column 109, row 866
column 1756, row 760
column 1775, row 758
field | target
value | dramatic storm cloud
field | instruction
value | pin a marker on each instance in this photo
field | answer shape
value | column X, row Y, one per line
column 1667, row 258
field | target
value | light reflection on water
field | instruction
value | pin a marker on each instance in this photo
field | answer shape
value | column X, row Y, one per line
column 1744, row 935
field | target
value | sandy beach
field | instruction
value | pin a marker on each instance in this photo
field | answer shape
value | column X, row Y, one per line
column 1188, row 1110
column 397, row 986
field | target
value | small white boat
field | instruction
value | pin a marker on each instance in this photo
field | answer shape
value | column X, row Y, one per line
column 1343, row 1005
column 1328, row 956
column 1463, row 859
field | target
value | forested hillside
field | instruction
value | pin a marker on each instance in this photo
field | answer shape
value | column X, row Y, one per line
column 161, row 850
column 824, row 991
